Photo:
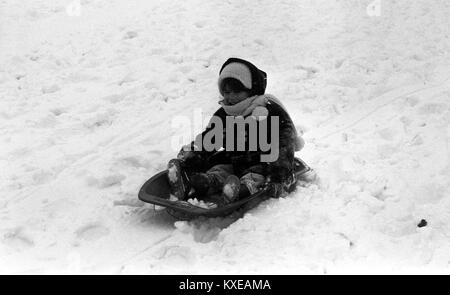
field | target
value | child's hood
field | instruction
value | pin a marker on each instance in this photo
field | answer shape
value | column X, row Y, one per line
column 258, row 77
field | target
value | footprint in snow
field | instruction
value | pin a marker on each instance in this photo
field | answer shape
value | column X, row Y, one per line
column 92, row 232
column 386, row 151
column 107, row 181
column 416, row 140
column 20, row 152
column 387, row 134
column 175, row 255
column 58, row 111
column 50, row 89
column 432, row 108
column 200, row 24
column 136, row 161
column 130, row 35
column 17, row 239
column 129, row 203
column 411, row 101
column 97, row 121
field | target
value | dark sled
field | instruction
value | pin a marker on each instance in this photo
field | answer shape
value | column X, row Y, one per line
column 156, row 191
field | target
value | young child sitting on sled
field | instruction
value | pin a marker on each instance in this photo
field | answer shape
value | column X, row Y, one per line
column 239, row 171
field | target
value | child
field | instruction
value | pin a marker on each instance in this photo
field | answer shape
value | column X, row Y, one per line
column 239, row 172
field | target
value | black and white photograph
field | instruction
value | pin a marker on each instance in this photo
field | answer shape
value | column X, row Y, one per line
column 231, row 137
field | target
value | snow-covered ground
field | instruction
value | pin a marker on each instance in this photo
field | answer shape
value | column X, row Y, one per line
column 89, row 90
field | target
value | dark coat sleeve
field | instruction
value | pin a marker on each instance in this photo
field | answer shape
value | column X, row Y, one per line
column 282, row 169
column 201, row 155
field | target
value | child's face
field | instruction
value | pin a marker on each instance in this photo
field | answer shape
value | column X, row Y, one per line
column 232, row 96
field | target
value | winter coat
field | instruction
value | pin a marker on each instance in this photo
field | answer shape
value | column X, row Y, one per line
column 279, row 170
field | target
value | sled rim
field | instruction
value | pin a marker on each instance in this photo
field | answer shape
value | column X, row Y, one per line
column 185, row 210
column 186, row 207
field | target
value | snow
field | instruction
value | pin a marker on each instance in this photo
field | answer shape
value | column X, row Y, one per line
column 201, row 203
column 88, row 89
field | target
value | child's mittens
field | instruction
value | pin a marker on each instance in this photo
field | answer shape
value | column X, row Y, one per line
column 260, row 113
column 186, row 153
column 190, row 159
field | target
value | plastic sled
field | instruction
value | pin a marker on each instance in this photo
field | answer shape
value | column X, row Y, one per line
column 156, row 191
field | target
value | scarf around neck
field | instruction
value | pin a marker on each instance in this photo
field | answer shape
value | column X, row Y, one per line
column 247, row 106
column 244, row 107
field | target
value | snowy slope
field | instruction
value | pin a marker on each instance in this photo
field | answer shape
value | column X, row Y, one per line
column 89, row 90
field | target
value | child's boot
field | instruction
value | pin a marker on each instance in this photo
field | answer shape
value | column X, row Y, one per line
column 177, row 179
column 234, row 190
column 231, row 188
